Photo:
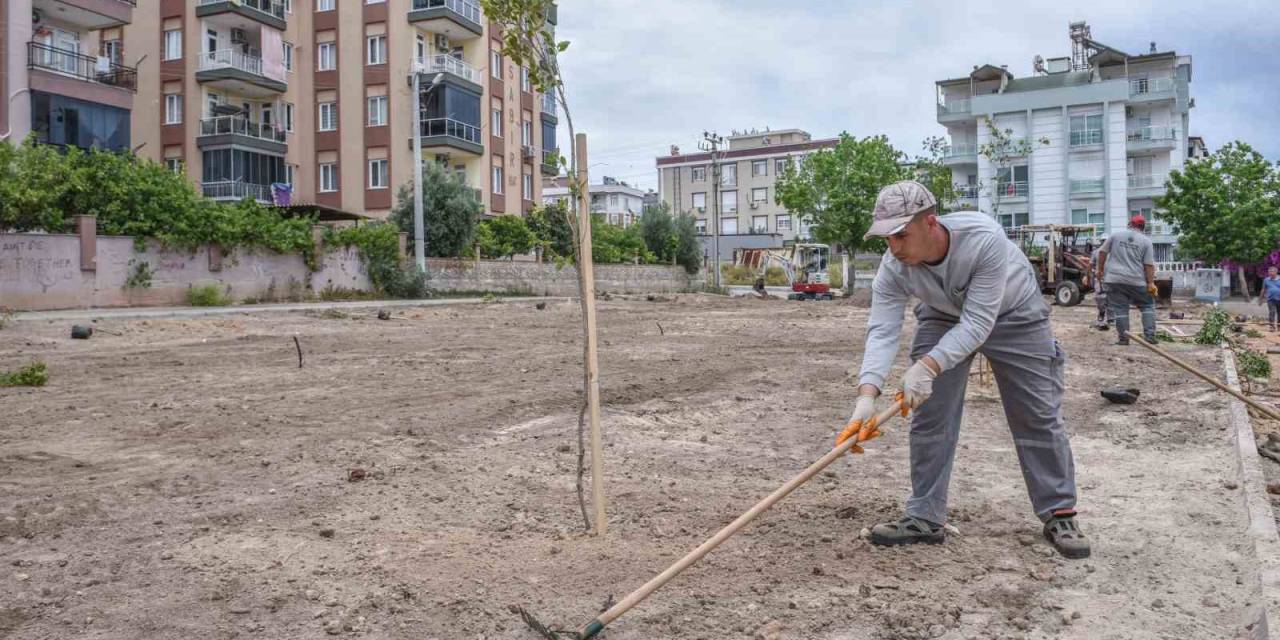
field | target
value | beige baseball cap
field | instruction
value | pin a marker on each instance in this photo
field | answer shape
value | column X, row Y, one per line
column 896, row 205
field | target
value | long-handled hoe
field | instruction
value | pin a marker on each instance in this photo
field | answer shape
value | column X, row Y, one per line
column 850, row 438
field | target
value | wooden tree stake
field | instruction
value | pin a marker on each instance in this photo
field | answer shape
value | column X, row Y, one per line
column 586, row 271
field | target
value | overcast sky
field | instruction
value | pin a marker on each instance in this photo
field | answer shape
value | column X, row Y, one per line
column 645, row 74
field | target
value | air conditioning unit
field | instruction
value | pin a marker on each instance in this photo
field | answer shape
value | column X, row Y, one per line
column 755, row 205
column 442, row 42
column 238, row 36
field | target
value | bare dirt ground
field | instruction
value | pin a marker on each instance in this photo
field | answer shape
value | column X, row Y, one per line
column 187, row 480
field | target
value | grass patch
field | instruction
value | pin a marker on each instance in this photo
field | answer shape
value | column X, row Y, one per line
column 32, row 375
column 207, row 295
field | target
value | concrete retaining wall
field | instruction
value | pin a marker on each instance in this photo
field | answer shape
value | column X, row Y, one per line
column 545, row 279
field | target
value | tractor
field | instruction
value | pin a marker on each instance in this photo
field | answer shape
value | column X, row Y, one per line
column 1062, row 257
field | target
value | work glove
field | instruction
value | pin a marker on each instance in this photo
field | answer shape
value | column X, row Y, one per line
column 1151, row 289
column 917, row 384
column 863, row 411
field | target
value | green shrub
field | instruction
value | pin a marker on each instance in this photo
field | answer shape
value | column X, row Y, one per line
column 207, row 295
column 1253, row 364
column 1214, row 329
column 32, row 375
column 379, row 247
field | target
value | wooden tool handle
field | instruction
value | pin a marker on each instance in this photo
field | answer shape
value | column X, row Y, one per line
column 635, row 597
column 1269, row 412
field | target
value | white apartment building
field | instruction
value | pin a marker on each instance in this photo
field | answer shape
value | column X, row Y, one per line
column 1115, row 126
column 620, row 203
column 749, row 215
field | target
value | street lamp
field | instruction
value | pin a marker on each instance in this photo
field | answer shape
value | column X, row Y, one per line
column 419, row 224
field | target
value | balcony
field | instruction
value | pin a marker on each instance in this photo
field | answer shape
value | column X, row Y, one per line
column 1152, row 138
column 268, row 12
column 966, row 193
column 76, row 65
column 1088, row 187
column 960, row 154
column 443, row 135
column 89, row 15
column 1151, row 89
column 238, row 130
column 235, row 191
column 549, row 108
column 1146, row 186
column 550, row 162
column 452, row 67
column 1086, row 140
column 237, row 72
column 1006, row 191
column 456, row 19
column 954, row 110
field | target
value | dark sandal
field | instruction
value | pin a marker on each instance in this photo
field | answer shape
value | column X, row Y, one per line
column 907, row 531
column 1061, row 531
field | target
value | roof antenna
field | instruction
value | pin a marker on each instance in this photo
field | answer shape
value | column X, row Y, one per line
column 1153, row 46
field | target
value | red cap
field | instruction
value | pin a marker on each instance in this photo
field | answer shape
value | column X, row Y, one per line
column 1138, row 221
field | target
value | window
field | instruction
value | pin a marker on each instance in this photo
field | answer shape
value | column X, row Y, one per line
column 700, row 201
column 497, row 180
column 613, row 199
column 1013, row 220
column 326, row 5
column 377, row 174
column 112, row 50
column 173, row 108
column 728, row 226
column 288, row 8
column 173, row 44
column 173, row 164
column 289, row 171
column 783, row 223
column 1086, row 129
column 526, row 133
column 759, row 168
column 699, row 174
column 728, row 175
column 495, row 121
column 1083, row 216
column 700, row 226
column 525, row 85
column 211, row 40
column 527, row 186
column 288, row 57
column 728, row 201
column 377, row 111
column 1011, row 182
column 374, row 1
column 377, row 50
column 780, row 166
column 760, row 195
column 328, row 116
column 495, row 64
column 326, row 56
column 759, row 224
column 328, row 177
column 288, row 117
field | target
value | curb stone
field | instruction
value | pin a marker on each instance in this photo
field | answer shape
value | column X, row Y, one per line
column 1262, row 523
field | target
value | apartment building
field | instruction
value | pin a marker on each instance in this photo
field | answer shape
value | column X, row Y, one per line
column 748, row 214
column 1115, row 125
column 620, row 203
column 315, row 97
column 63, row 72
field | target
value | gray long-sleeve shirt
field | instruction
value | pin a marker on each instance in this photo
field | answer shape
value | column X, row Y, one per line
column 983, row 276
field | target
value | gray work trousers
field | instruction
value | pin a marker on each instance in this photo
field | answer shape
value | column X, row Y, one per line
column 1123, row 296
column 1028, row 365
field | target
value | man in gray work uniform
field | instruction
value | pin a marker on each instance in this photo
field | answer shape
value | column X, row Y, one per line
column 1128, row 266
column 978, row 294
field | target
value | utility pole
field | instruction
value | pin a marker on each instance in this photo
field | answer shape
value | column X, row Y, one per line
column 711, row 143
column 419, row 222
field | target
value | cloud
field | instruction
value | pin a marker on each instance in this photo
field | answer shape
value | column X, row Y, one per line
column 646, row 74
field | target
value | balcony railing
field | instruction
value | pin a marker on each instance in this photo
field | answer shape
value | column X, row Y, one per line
column 236, row 190
column 960, row 151
column 1145, row 134
column 954, row 106
column 468, row 10
column 77, row 65
column 1011, row 189
column 232, row 59
column 451, row 128
column 549, row 104
column 1143, row 86
column 269, row 7
column 1149, row 181
column 1088, row 185
column 444, row 63
column 1086, row 137
column 966, row 191
column 240, row 126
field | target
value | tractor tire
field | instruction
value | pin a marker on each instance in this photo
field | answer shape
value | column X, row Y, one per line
column 1067, row 294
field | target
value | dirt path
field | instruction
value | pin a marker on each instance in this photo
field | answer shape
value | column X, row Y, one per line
column 186, row 479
